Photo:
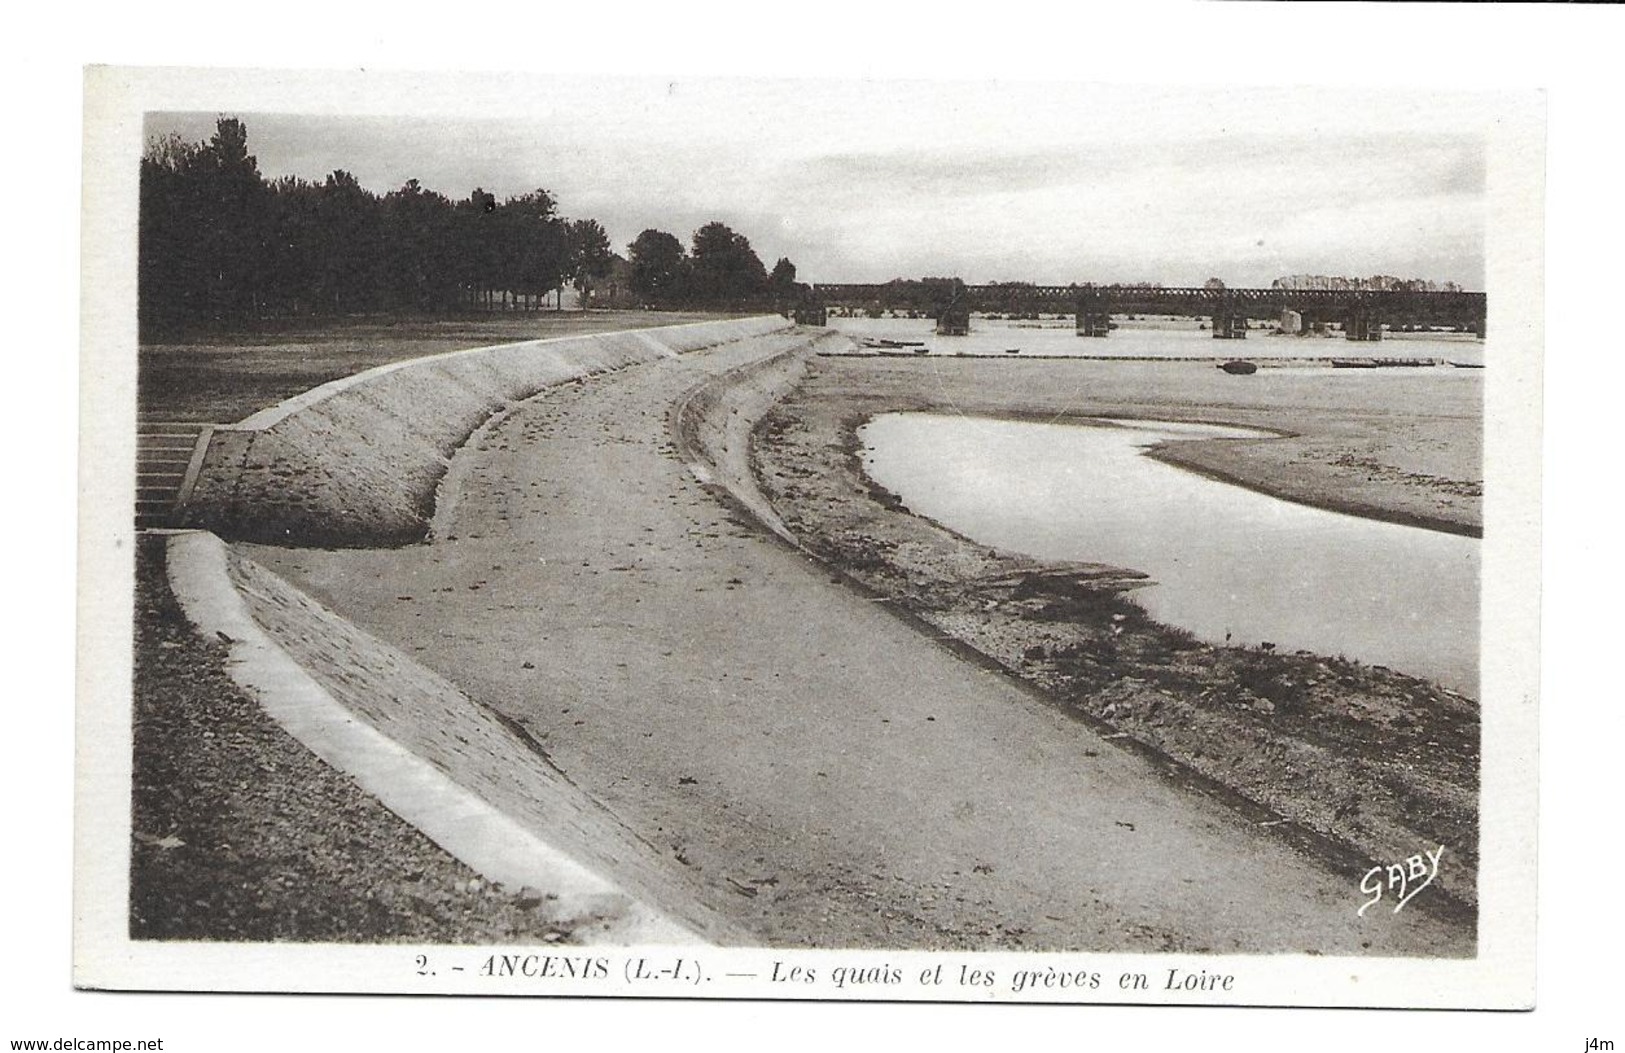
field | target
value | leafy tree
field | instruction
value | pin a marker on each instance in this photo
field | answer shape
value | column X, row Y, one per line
column 169, row 277
column 233, row 230
column 347, row 266
column 782, row 279
column 726, row 270
column 533, row 245
column 294, row 252
column 202, row 225
column 589, row 254
column 659, row 267
column 476, row 242
column 425, row 258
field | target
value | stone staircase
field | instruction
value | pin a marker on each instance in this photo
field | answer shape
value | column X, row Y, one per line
column 167, row 457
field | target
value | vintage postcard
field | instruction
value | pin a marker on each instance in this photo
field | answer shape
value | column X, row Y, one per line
column 908, row 541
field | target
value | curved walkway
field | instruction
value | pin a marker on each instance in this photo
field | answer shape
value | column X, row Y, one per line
column 822, row 773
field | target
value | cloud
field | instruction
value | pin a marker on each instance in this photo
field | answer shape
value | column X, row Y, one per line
column 1247, row 204
column 989, row 182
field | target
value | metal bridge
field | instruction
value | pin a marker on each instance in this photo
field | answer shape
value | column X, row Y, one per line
column 1362, row 312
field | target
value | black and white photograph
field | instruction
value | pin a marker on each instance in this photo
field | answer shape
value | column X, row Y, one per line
column 756, row 538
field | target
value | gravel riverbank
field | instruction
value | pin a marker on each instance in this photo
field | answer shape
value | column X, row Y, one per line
column 1357, row 763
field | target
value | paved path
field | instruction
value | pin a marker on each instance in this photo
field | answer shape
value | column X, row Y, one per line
column 828, row 775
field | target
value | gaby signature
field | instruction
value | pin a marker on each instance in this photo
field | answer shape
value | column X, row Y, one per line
column 1403, row 877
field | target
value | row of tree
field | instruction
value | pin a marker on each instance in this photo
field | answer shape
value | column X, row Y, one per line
column 222, row 244
column 722, row 270
column 1376, row 283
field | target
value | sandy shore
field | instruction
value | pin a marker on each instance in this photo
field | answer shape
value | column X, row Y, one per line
column 1386, row 444
column 818, row 769
column 1355, row 761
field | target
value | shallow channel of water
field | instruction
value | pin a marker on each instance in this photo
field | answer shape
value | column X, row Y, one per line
column 1228, row 562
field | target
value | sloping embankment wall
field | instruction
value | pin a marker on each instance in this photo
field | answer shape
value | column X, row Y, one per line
column 473, row 782
column 356, row 462
column 713, row 423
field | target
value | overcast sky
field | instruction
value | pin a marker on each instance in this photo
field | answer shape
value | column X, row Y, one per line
column 990, row 181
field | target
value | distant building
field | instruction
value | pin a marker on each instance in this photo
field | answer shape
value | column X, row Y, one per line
column 614, row 290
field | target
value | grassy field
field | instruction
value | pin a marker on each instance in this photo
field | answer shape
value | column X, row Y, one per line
column 221, row 379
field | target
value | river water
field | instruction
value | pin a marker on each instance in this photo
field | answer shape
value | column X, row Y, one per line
column 1154, row 338
column 1229, row 563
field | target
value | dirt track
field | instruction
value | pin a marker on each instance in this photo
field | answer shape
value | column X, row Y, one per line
column 831, row 777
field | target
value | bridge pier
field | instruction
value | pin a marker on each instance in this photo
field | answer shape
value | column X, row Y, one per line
column 953, row 320
column 1227, row 326
column 1094, row 314
column 1094, row 322
column 1363, row 324
column 1361, row 310
column 1311, row 325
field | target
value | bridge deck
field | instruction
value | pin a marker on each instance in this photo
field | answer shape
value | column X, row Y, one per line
column 1461, row 308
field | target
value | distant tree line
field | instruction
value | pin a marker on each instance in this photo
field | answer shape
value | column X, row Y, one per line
column 1375, row 283
column 719, row 270
column 221, row 244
